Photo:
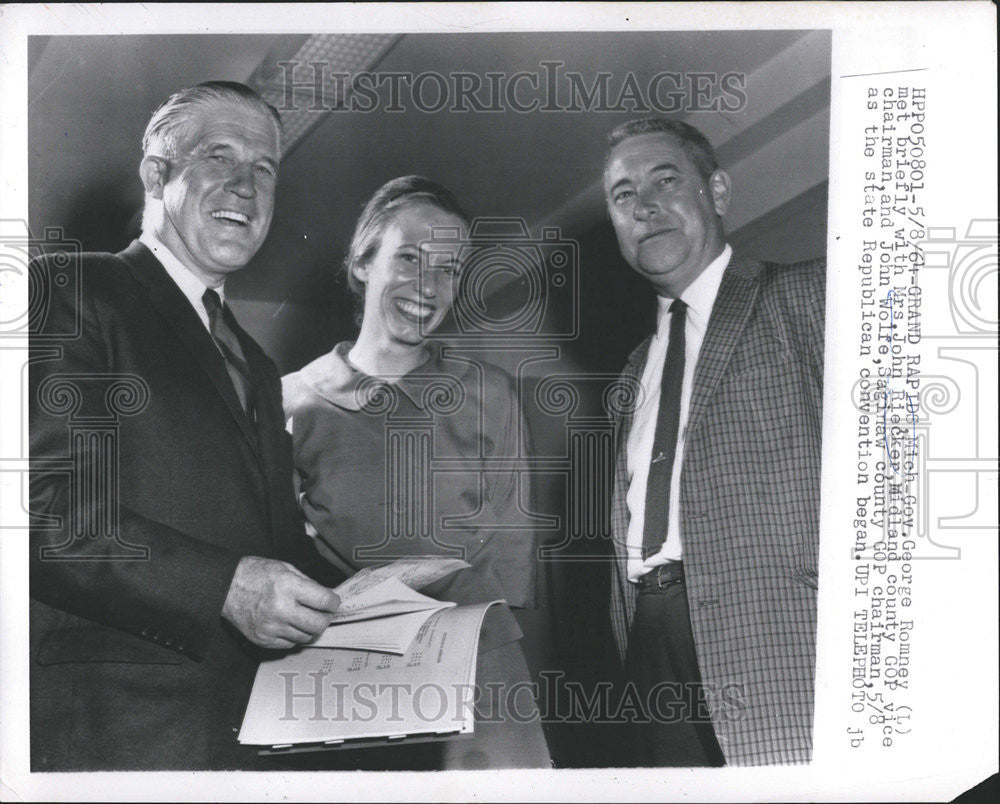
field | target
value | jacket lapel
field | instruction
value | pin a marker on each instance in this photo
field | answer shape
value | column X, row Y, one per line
column 167, row 298
column 630, row 375
column 732, row 308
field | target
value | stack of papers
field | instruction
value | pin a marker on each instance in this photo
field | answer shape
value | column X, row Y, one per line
column 389, row 617
column 380, row 609
column 404, row 668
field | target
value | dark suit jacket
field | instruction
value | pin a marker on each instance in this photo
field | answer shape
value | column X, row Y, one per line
column 132, row 665
column 749, row 508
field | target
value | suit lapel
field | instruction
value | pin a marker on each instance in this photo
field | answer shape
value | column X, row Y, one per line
column 167, row 298
column 631, row 375
column 733, row 304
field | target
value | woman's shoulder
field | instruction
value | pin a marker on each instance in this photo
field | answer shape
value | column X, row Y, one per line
column 295, row 392
column 326, row 378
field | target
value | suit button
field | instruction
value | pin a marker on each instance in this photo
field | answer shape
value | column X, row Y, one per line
column 144, row 632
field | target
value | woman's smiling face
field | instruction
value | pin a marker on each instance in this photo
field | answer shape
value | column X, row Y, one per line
column 404, row 300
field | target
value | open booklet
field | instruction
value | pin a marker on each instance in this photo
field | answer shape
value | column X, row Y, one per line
column 402, row 667
column 380, row 608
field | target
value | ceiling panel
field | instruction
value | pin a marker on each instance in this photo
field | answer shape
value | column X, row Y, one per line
column 90, row 98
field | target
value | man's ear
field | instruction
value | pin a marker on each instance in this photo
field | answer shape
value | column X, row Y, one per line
column 153, row 172
column 722, row 187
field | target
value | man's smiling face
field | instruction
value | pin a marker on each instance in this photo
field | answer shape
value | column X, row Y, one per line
column 218, row 196
column 665, row 213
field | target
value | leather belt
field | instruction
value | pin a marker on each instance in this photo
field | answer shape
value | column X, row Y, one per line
column 663, row 576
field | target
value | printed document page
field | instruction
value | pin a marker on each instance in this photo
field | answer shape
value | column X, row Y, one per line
column 315, row 696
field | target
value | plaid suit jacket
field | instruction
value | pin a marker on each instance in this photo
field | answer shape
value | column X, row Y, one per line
column 749, row 508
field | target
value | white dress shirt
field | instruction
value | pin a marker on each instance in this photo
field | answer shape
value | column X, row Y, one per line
column 190, row 285
column 699, row 298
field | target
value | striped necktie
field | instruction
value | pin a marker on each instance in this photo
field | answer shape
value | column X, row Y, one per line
column 221, row 323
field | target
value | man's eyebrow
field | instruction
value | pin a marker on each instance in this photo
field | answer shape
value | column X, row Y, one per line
column 212, row 147
column 654, row 169
column 619, row 183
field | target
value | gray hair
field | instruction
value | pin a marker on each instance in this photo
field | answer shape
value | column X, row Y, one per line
column 694, row 143
column 166, row 127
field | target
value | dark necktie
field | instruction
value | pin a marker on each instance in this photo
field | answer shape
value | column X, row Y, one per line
column 221, row 324
column 661, row 465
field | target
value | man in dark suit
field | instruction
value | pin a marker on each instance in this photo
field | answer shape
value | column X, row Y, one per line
column 164, row 524
column 715, row 517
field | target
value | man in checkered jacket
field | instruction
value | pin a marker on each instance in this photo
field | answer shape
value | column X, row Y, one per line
column 715, row 518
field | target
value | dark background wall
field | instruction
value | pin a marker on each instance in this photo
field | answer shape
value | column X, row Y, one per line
column 90, row 98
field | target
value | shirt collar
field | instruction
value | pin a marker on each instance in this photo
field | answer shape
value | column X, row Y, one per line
column 699, row 295
column 191, row 286
column 339, row 382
